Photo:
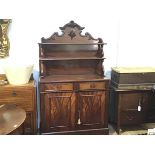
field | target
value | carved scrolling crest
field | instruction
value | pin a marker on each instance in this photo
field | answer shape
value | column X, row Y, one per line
column 70, row 31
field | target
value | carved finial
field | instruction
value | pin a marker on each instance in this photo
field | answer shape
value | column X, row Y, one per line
column 71, row 24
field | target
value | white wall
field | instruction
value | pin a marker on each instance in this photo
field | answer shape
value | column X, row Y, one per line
column 137, row 33
column 126, row 26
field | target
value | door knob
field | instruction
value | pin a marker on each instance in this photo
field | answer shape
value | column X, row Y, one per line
column 139, row 106
column 14, row 94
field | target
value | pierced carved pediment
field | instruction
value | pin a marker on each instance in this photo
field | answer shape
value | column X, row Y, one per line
column 71, row 32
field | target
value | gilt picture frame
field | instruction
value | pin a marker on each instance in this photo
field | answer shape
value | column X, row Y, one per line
column 4, row 40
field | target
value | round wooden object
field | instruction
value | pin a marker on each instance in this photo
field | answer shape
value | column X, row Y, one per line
column 11, row 117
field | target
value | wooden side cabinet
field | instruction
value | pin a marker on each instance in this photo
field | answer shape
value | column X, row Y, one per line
column 131, row 107
column 24, row 97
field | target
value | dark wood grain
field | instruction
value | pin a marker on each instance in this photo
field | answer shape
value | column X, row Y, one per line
column 124, row 107
column 73, row 88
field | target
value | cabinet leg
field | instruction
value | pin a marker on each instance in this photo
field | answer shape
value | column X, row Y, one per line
column 118, row 128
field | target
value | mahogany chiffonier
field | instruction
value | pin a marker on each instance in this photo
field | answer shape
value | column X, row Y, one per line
column 24, row 97
column 132, row 98
column 73, row 89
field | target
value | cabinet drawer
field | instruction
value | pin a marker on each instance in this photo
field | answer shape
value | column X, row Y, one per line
column 18, row 94
column 92, row 85
column 19, row 97
column 56, row 87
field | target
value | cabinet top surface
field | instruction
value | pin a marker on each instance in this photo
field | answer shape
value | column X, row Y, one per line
column 71, row 78
column 30, row 84
column 133, row 69
column 132, row 89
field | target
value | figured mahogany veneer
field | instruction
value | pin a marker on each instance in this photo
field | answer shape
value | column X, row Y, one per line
column 92, row 85
column 73, row 89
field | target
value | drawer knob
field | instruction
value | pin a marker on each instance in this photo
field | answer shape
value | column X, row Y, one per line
column 14, row 94
column 92, row 85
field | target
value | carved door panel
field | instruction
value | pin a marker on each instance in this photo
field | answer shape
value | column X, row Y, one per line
column 91, row 108
column 151, row 108
column 134, row 107
column 59, row 111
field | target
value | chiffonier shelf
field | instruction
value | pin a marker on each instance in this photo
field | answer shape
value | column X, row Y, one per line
column 71, row 78
column 71, row 58
column 73, row 88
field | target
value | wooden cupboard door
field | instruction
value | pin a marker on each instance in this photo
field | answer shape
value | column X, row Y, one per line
column 134, row 107
column 92, row 109
column 131, row 100
column 29, row 124
column 151, row 109
column 59, row 111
